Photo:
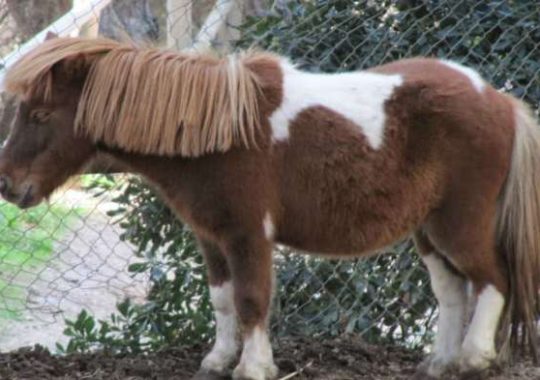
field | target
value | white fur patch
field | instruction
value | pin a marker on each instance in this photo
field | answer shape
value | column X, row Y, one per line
column 473, row 76
column 450, row 291
column 257, row 361
column 226, row 345
column 358, row 96
column 268, row 226
column 479, row 343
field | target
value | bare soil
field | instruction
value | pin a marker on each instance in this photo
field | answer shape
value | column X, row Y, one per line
column 298, row 359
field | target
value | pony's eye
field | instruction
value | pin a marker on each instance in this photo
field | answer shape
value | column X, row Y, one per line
column 40, row 116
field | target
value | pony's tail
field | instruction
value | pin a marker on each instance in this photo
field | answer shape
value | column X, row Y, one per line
column 518, row 237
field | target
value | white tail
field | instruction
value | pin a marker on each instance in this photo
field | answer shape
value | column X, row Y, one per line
column 519, row 235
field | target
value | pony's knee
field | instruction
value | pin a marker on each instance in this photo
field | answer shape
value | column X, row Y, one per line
column 448, row 286
column 222, row 297
column 216, row 264
column 252, row 308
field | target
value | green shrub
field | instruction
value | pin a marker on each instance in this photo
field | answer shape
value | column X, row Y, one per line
column 177, row 310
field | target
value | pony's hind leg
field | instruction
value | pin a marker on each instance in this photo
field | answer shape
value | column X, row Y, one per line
column 225, row 348
column 479, row 351
column 449, row 288
column 465, row 234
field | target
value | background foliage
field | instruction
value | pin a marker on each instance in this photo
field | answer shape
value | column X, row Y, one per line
column 384, row 298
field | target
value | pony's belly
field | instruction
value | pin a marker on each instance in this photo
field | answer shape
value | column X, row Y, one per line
column 354, row 222
column 347, row 239
column 329, row 250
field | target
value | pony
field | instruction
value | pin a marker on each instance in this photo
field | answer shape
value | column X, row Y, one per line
column 250, row 151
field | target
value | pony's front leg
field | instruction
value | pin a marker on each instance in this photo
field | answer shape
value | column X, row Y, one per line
column 225, row 348
column 250, row 260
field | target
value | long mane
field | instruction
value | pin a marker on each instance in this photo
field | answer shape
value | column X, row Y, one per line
column 147, row 100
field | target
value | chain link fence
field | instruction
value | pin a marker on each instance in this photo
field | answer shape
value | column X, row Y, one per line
column 104, row 238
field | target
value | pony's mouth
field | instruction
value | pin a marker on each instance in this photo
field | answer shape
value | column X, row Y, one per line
column 25, row 198
column 28, row 198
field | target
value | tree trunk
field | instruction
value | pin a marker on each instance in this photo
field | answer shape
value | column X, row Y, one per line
column 129, row 18
column 32, row 16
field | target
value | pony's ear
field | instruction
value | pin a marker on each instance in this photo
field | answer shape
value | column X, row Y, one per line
column 50, row 35
column 73, row 68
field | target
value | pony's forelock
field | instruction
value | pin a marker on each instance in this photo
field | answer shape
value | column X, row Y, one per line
column 31, row 75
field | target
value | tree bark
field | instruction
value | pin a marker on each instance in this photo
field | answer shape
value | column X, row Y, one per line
column 32, row 16
column 129, row 18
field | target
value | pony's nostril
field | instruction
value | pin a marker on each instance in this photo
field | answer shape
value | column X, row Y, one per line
column 5, row 184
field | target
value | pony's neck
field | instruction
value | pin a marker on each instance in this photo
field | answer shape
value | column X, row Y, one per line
column 167, row 175
column 270, row 76
column 177, row 180
column 154, row 168
column 177, row 176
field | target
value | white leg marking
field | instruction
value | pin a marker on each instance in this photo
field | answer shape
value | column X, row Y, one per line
column 450, row 291
column 358, row 96
column 268, row 226
column 226, row 345
column 474, row 77
column 479, row 345
column 257, row 361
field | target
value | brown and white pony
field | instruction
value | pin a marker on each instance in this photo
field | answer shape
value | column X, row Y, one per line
column 250, row 151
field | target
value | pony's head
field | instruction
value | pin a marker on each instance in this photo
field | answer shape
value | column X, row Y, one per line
column 43, row 148
column 75, row 93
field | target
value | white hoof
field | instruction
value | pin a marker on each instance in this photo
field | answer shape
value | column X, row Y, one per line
column 218, row 362
column 255, row 371
column 257, row 361
column 473, row 360
column 436, row 366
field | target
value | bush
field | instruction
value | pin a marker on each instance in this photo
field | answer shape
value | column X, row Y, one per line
column 177, row 310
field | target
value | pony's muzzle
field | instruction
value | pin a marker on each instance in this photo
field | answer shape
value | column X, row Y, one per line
column 23, row 195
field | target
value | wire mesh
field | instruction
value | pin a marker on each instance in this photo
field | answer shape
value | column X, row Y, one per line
column 69, row 254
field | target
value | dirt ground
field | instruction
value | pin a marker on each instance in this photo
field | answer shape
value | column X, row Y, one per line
column 298, row 359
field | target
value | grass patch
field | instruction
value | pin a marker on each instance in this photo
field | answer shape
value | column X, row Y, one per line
column 26, row 243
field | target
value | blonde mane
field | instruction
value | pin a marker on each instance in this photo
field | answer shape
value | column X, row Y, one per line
column 147, row 100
